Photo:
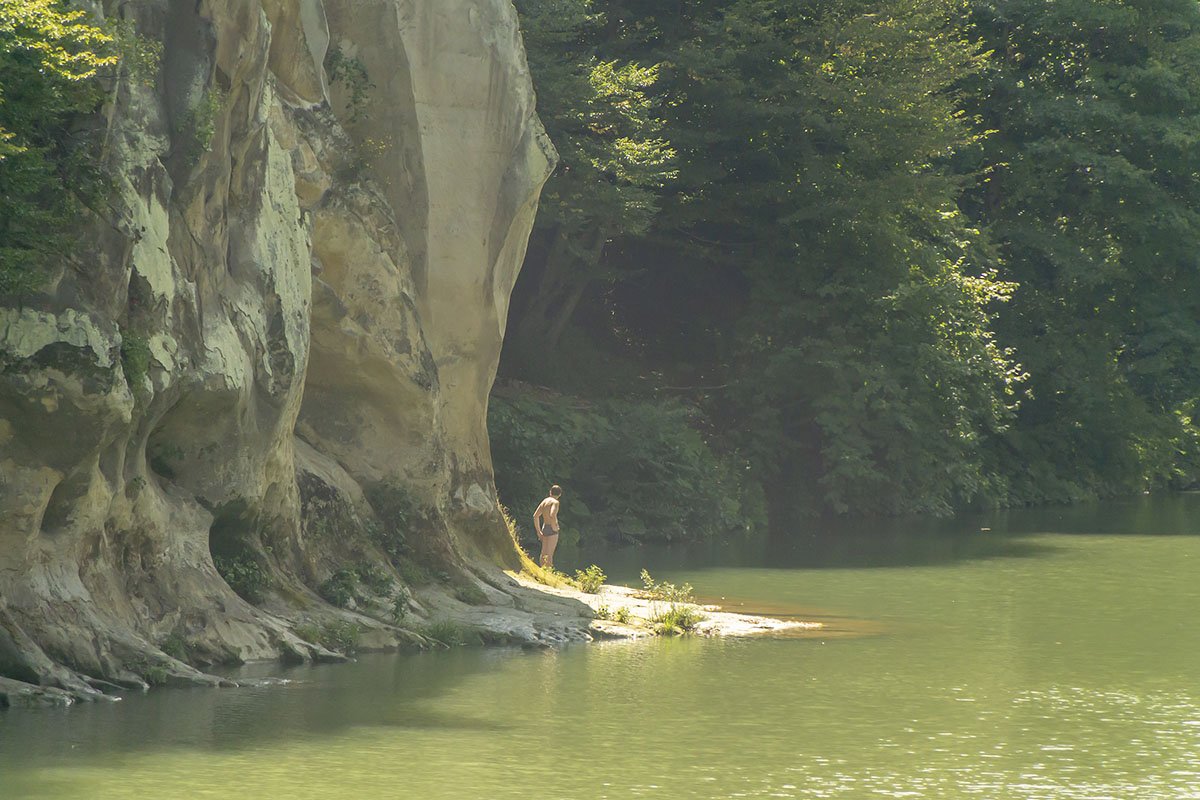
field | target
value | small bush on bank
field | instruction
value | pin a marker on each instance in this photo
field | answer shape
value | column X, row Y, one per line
column 591, row 579
column 156, row 675
column 677, row 619
column 654, row 590
column 351, row 73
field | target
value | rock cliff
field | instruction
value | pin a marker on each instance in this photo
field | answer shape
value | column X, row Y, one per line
column 267, row 366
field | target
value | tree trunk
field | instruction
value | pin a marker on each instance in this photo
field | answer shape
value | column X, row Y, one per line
column 565, row 277
column 566, row 309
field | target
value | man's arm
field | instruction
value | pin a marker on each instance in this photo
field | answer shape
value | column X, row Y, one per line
column 537, row 517
column 552, row 517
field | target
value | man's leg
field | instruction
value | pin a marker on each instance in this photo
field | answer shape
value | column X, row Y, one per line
column 548, row 545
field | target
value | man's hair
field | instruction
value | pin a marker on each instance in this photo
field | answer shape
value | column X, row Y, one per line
column 555, row 490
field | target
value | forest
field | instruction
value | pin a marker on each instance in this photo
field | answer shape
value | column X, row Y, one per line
column 848, row 257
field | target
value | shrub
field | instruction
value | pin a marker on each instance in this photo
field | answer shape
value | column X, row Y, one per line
column 514, row 533
column 175, row 646
column 155, row 674
column 591, row 579
column 244, row 575
column 653, row 590
column 339, row 588
column 350, row 72
column 198, row 125
column 397, row 511
column 340, row 636
column 677, row 619
column 603, row 612
column 554, row 577
column 135, row 357
column 374, row 577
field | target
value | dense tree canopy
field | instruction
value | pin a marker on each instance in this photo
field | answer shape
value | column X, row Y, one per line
column 49, row 58
column 904, row 256
column 1092, row 198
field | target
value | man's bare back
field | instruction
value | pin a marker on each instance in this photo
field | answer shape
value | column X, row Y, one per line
column 545, row 523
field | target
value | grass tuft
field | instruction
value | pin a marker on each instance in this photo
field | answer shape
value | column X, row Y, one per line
column 677, row 619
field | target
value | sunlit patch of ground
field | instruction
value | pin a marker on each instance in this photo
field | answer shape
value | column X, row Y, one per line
column 639, row 614
column 822, row 623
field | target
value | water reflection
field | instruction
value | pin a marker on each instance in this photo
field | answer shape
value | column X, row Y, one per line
column 313, row 702
column 907, row 541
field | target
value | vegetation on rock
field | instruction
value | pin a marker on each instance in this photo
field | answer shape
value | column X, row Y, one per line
column 339, row 636
column 339, row 588
column 50, row 56
column 244, row 575
column 53, row 59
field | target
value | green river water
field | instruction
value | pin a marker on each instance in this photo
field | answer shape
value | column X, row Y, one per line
column 1056, row 655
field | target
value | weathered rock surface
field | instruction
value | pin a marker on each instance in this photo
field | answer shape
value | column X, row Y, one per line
column 274, row 347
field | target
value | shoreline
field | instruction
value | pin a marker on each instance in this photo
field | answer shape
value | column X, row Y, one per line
column 643, row 610
column 521, row 611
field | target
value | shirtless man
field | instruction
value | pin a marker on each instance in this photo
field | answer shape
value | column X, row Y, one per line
column 545, row 522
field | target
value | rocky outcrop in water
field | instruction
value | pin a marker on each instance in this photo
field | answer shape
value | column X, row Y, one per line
column 272, row 352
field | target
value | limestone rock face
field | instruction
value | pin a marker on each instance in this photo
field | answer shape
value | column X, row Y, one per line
column 272, row 354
